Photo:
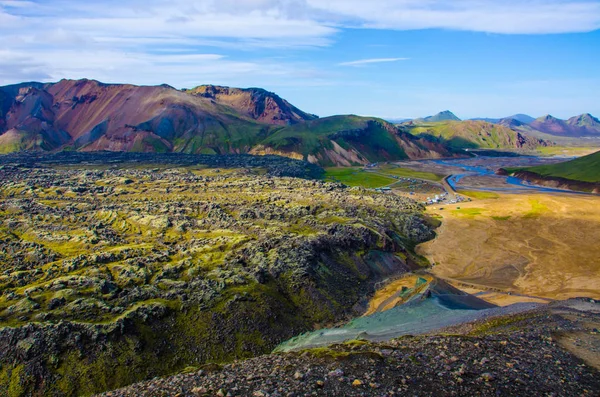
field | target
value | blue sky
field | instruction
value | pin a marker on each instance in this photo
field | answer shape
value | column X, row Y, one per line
column 387, row 58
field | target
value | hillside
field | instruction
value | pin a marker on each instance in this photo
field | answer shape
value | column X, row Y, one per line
column 585, row 169
column 256, row 103
column 349, row 140
column 86, row 115
column 472, row 134
column 493, row 357
column 578, row 126
column 580, row 174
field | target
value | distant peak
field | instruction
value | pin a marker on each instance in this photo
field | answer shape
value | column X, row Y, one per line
column 547, row 117
column 584, row 120
column 446, row 115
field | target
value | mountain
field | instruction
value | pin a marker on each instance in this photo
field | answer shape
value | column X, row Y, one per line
column 349, row 140
column 522, row 118
column 472, row 134
column 579, row 126
column 582, row 173
column 259, row 104
column 586, row 122
column 86, row 115
column 446, row 115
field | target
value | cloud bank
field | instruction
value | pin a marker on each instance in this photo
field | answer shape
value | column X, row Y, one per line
column 146, row 41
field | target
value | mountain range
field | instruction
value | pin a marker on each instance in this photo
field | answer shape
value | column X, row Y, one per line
column 520, row 130
column 584, row 125
column 86, row 115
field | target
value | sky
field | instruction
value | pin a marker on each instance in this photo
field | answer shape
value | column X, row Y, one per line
column 385, row 58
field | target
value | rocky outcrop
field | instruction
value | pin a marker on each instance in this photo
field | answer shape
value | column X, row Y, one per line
column 259, row 104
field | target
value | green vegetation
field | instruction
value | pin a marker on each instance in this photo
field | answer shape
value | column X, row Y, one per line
column 355, row 176
column 584, row 169
column 500, row 324
column 566, row 150
column 336, row 140
column 472, row 135
column 480, row 195
column 470, row 212
column 409, row 173
column 123, row 274
column 537, row 209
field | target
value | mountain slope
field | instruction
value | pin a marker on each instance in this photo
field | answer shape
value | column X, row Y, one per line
column 472, row 134
column 588, row 123
column 86, row 115
column 582, row 173
column 578, row 126
column 256, row 103
column 446, row 115
column 585, row 169
column 349, row 140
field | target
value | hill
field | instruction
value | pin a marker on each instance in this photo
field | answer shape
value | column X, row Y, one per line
column 349, row 140
column 580, row 174
column 86, row 115
column 474, row 134
column 446, row 115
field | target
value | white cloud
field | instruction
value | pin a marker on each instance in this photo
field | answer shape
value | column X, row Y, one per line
column 150, row 41
column 362, row 62
column 491, row 16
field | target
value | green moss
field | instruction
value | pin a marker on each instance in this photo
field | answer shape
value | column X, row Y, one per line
column 353, row 176
column 499, row 324
column 537, row 209
column 409, row 173
column 468, row 212
column 15, row 384
column 356, row 343
column 481, row 195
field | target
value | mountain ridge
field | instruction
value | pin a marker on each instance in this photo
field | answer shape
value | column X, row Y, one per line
column 87, row 115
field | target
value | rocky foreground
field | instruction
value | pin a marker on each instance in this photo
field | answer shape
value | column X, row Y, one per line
column 115, row 268
column 524, row 355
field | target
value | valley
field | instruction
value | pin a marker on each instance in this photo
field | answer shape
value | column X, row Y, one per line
column 164, row 263
column 201, row 230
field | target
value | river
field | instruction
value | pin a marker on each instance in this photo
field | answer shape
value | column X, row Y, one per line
column 512, row 184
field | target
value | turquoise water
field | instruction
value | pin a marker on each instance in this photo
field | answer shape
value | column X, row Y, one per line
column 519, row 184
column 415, row 317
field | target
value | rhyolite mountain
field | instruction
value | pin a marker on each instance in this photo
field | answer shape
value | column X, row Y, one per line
column 256, row 103
column 584, row 125
column 86, row 115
